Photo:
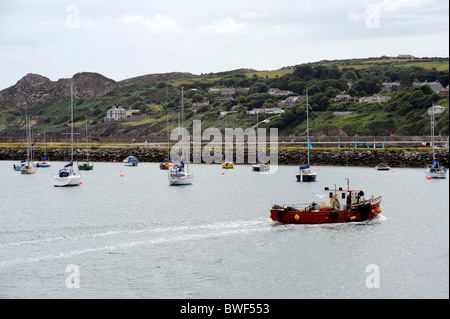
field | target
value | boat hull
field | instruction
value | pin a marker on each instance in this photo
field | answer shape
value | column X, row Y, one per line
column 359, row 213
column 260, row 168
column 436, row 174
column 85, row 167
column 180, row 181
column 306, row 177
column 72, row 180
column 28, row 171
column 164, row 166
column 130, row 164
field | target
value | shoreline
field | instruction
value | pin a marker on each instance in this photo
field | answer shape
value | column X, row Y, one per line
column 394, row 157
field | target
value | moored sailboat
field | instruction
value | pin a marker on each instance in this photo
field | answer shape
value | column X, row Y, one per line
column 67, row 176
column 305, row 172
column 28, row 167
column 434, row 170
column 179, row 173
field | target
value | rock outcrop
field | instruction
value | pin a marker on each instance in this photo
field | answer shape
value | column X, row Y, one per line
column 33, row 89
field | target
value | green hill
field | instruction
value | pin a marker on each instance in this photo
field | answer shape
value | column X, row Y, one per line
column 157, row 99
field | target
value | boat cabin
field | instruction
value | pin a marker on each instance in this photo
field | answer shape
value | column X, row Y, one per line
column 343, row 198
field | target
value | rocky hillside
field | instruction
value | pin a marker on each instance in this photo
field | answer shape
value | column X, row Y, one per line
column 35, row 89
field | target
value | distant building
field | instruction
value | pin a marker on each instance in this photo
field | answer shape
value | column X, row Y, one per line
column 226, row 91
column 443, row 92
column 436, row 86
column 437, row 109
column 406, row 56
column 272, row 110
column 278, row 92
column 132, row 112
column 341, row 98
column 116, row 113
column 292, row 100
column 374, row 98
column 389, row 87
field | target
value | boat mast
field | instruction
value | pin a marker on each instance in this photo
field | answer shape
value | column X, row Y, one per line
column 28, row 138
column 71, row 116
column 307, row 123
column 87, row 144
column 432, row 129
column 184, row 123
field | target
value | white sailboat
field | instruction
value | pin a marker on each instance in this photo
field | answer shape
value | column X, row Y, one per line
column 434, row 170
column 305, row 173
column 67, row 176
column 28, row 168
column 179, row 173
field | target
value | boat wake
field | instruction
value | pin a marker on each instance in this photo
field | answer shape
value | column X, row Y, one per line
column 130, row 238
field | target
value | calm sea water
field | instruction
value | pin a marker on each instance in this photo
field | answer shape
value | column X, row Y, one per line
column 137, row 237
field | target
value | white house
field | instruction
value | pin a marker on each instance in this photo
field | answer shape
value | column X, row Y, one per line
column 115, row 113
column 271, row 110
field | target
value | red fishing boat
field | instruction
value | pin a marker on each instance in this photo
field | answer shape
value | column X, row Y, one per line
column 341, row 205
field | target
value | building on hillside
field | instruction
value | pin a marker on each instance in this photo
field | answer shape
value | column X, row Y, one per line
column 342, row 98
column 443, row 92
column 130, row 113
column 116, row 113
column 374, row 98
column 436, row 86
column 389, row 87
column 292, row 100
column 278, row 92
column 272, row 110
column 437, row 109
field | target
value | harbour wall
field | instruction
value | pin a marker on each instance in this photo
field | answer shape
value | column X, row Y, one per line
column 395, row 157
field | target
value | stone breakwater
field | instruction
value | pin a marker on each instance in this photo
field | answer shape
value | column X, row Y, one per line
column 337, row 157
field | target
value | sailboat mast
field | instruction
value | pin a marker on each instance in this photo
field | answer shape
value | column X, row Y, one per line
column 71, row 116
column 307, row 123
column 432, row 129
column 28, row 137
column 184, row 123
column 87, row 144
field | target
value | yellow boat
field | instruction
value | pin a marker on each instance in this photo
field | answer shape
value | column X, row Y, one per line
column 228, row 165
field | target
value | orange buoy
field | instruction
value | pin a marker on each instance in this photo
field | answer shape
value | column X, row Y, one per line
column 379, row 209
column 428, row 177
column 121, row 175
column 81, row 182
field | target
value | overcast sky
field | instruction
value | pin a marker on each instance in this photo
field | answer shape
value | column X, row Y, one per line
column 122, row 39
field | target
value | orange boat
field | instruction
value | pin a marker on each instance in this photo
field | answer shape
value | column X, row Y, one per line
column 341, row 206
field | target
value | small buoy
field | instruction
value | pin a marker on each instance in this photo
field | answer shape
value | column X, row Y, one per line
column 378, row 210
column 121, row 175
column 81, row 182
column 428, row 177
column 120, row 170
column 318, row 168
column 393, row 171
column 296, row 217
column 223, row 173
